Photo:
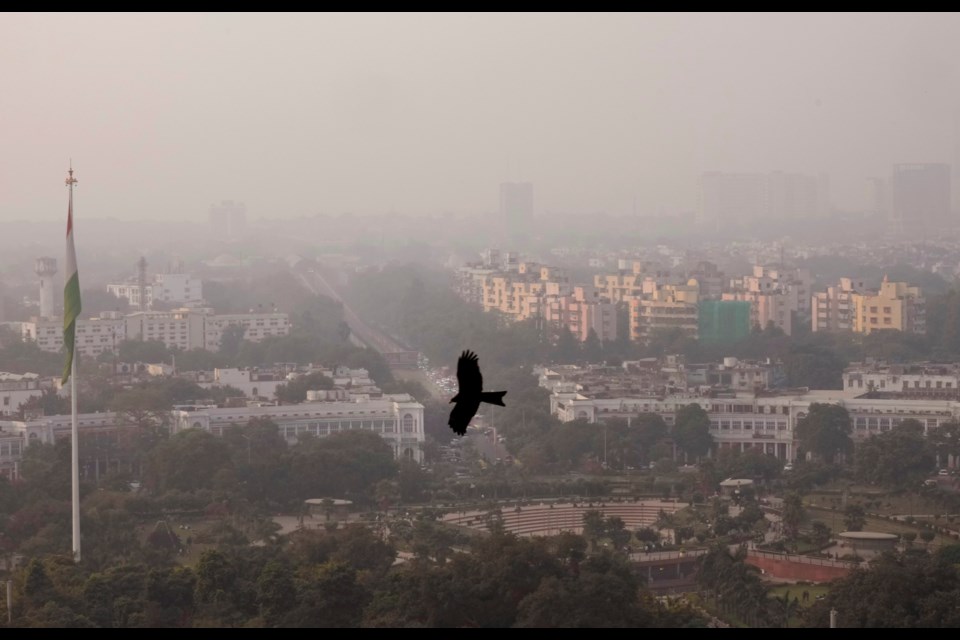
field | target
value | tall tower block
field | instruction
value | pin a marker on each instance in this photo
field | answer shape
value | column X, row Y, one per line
column 46, row 268
column 142, row 282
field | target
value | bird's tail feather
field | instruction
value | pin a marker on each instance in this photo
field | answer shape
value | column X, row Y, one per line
column 493, row 397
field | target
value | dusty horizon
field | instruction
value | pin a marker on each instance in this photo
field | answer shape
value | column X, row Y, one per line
column 296, row 115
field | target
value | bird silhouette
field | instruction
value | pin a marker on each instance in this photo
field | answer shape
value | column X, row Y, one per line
column 470, row 393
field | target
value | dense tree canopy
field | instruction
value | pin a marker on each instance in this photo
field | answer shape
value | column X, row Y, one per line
column 691, row 430
column 187, row 461
column 909, row 591
column 899, row 458
column 825, row 431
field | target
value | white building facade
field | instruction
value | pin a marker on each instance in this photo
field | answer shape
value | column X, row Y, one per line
column 16, row 389
column 93, row 336
column 185, row 328
column 767, row 422
column 176, row 288
column 921, row 380
column 257, row 326
column 253, row 383
column 398, row 419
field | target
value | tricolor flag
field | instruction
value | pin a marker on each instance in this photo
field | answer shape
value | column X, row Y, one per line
column 71, row 295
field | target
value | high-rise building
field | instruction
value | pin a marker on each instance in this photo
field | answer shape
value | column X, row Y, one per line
column 182, row 329
column 179, row 288
column 228, row 219
column 730, row 198
column 879, row 196
column 792, row 282
column 580, row 312
column 710, row 279
column 723, row 321
column 921, row 195
column 896, row 306
column 737, row 198
column 516, row 208
column 767, row 307
column 668, row 308
column 46, row 268
column 793, row 195
column 834, row 309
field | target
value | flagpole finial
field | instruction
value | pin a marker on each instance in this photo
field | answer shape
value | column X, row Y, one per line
column 70, row 179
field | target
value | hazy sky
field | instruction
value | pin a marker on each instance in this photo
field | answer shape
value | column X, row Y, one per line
column 296, row 114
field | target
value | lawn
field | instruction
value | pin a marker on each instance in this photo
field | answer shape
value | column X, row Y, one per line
column 797, row 590
column 885, row 503
column 834, row 520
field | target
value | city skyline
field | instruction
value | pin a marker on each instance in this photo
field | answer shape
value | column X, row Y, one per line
column 710, row 263
column 295, row 115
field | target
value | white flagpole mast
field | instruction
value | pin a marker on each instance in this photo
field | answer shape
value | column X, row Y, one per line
column 74, row 433
column 76, row 460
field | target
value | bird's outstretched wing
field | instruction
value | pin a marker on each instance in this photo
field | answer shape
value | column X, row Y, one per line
column 461, row 415
column 468, row 373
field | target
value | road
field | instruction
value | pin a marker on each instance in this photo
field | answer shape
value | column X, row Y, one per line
column 419, row 375
column 361, row 333
column 486, row 445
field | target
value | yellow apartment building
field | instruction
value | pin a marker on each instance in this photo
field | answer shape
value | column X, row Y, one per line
column 896, row 306
column 669, row 307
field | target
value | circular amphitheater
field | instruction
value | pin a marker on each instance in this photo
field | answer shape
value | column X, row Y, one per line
column 545, row 519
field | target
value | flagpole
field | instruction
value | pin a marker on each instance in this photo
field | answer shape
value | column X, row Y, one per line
column 74, row 432
column 75, row 437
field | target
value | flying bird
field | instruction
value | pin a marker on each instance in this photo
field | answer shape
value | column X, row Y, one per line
column 470, row 393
